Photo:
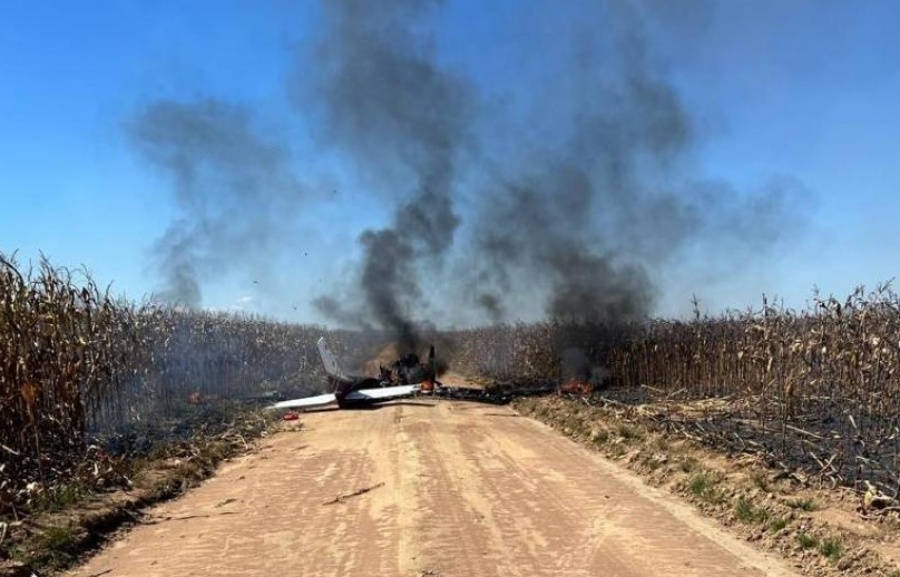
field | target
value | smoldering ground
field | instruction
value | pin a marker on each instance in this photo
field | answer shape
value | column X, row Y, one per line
column 567, row 191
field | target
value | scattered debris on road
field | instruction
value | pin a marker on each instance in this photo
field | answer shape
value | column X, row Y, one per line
column 356, row 493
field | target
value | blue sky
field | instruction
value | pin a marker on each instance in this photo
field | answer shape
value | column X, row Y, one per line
column 806, row 90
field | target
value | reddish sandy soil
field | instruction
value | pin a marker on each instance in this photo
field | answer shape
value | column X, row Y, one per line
column 455, row 490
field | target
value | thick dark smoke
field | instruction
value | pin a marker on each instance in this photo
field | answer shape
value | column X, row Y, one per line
column 543, row 231
column 599, row 216
column 402, row 119
column 568, row 195
column 233, row 189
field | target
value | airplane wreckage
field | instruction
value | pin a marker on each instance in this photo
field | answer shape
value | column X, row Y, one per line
column 407, row 377
column 350, row 391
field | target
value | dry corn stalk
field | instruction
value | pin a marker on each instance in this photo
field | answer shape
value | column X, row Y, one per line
column 73, row 360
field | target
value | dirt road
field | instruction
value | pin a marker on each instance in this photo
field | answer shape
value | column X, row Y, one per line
column 456, row 490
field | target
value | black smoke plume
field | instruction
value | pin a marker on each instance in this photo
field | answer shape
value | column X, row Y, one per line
column 402, row 119
column 569, row 194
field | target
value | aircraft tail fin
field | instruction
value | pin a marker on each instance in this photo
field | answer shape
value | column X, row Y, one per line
column 329, row 360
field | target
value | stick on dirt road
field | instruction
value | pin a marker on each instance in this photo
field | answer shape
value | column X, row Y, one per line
column 424, row 488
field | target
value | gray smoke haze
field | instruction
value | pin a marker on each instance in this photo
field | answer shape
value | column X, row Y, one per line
column 612, row 203
column 580, row 192
column 233, row 189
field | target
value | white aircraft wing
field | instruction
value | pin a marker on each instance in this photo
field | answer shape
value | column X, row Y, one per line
column 382, row 393
column 307, row 402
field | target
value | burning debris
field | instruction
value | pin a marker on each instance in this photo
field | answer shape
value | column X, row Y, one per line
column 408, row 369
column 579, row 375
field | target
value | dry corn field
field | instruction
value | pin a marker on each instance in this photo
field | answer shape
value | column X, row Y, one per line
column 816, row 391
column 75, row 362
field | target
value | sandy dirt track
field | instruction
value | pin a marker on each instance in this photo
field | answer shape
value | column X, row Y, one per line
column 456, row 490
